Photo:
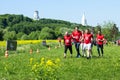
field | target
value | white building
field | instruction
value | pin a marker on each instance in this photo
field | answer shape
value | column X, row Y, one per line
column 36, row 15
column 83, row 20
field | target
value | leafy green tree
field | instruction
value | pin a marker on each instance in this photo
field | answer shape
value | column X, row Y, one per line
column 10, row 36
column 1, row 34
column 19, row 35
column 114, row 32
column 63, row 30
column 34, row 35
column 25, row 37
column 110, row 30
column 47, row 33
column 3, row 22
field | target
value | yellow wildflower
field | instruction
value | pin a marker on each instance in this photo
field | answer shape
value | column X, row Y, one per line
column 31, row 60
column 49, row 63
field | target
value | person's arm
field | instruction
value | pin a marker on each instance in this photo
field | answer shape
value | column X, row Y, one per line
column 97, row 40
column 82, row 38
column 73, row 37
column 91, row 37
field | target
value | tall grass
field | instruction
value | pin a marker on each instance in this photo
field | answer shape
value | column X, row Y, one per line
column 97, row 68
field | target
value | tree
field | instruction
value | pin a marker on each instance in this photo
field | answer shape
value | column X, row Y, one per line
column 110, row 30
column 19, row 35
column 47, row 33
column 98, row 28
column 34, row 35
column 114, row 32
column 1, row 34
column 3, row 23
column 10, row 36
column 25, row 37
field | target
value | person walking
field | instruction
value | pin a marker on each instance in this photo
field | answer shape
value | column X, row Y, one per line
column 77, row 35
column 82, row 45
column 67, row 44
column 88, row 37
column 100, row 40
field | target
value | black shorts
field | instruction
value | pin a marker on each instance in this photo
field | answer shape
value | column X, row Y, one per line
column 68, row 47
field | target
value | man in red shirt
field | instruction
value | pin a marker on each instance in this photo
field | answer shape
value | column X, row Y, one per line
column 88, row 37
column 77, row 35
column 100, row 39
column 67, row 43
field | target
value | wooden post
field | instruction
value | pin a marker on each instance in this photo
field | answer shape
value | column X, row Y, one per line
column 6, row 53
column 38, row 51
column 31, row 51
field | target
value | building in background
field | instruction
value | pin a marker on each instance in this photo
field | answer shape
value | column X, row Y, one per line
column 36, row 15
column 84, row 20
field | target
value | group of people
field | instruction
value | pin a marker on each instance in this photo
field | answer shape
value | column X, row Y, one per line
column 83, row 39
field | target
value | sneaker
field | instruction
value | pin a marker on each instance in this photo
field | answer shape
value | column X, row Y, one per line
column 88, row 58
column 78, row 56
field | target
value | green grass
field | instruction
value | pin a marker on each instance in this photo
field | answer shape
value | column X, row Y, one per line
column 103, row 68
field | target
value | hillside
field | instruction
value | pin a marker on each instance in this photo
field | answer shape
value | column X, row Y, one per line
column 21, row 27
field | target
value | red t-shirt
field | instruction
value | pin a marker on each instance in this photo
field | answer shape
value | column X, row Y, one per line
column 67, row 40
column 100, row 37
column 76, row 35
column 87, row 38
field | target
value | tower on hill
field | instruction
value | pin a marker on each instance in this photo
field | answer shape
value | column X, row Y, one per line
column 83, row 20
column 36, row 15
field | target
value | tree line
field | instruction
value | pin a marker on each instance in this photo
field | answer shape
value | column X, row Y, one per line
column 20, row 27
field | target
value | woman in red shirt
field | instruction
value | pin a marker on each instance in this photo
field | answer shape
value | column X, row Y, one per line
column 67, row 43
column 82, row 45
column 88, row 37
column 100, row 39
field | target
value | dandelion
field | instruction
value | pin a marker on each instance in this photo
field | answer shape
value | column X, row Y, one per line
column 49, row 63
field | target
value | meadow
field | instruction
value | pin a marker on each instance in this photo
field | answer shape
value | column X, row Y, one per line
column 49, row 64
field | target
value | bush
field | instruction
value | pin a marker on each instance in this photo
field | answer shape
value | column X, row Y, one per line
column 45, row 69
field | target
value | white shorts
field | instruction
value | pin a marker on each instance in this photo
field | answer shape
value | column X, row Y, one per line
column 87, row 46
column 82, row 46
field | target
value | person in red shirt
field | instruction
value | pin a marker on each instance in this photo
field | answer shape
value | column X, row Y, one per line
column 99, row 40
column 88, row 37
column 82, row 45
column 77, row 35
column 67, row 43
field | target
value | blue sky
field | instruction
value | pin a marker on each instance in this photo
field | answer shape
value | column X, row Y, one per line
column 96, row 11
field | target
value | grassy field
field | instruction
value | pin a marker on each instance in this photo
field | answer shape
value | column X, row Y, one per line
column 17, row 65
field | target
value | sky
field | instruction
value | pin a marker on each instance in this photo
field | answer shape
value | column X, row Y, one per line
column 96, row 11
